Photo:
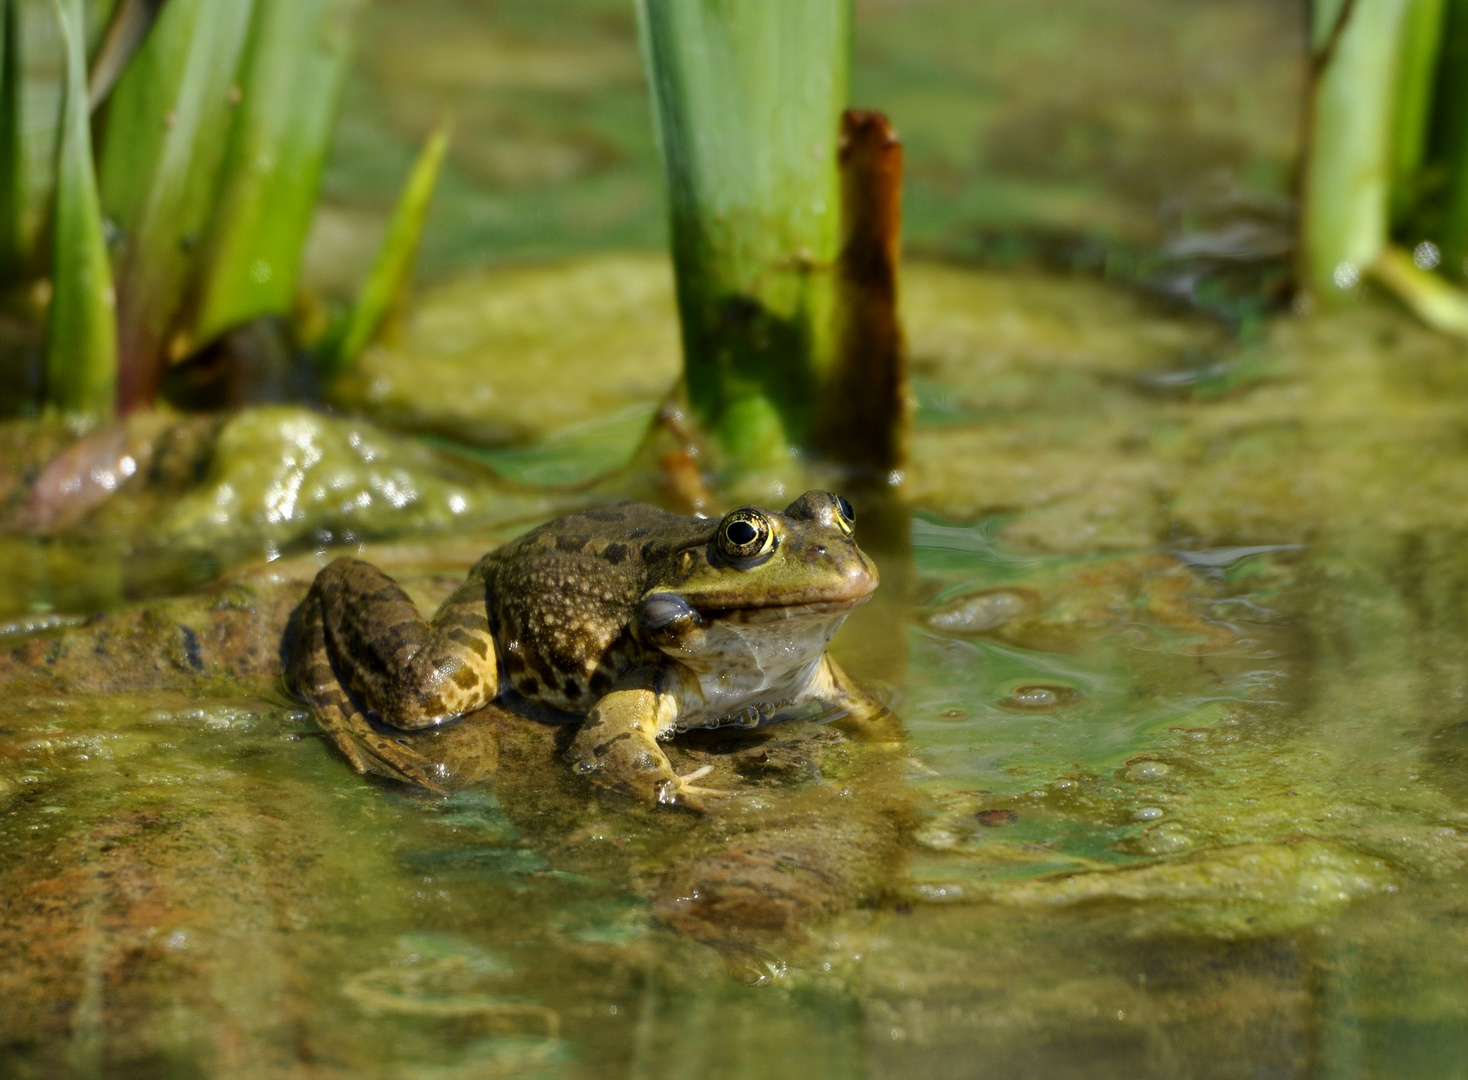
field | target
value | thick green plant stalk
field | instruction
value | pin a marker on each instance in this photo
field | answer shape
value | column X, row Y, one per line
column 291, row 84
column 1422, row 34
column 1349, row 161
column 749, row 97
column 168, row 125
column 392, row 270
column 81, row 343
column 14, row 223
column 1450, row 141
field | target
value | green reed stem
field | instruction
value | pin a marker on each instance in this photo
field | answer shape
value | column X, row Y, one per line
column 1440, row 305
column 1450, row 141
column 168, row 126
column 291, row 83
column 127, row 28
column 1349, row 162
column 81, row 343
column 1422, row 35
column 749, row 96
column 14, row 218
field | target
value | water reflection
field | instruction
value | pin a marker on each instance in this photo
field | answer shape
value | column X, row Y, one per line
column 1206, row 848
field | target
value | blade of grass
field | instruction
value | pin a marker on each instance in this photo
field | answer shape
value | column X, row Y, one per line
column 291, row 83
column 81, row 342
column 1349, row 160
column 749, row 97
column 1431, row 299
column 14, row 246
column 126, row 30
column 392, row 270
column 168, row 125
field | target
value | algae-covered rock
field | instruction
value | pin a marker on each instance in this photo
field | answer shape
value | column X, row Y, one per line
column 280, row 475
column 26, row 447
column 1244, row 890
column 509, row 356
column 1248, row 889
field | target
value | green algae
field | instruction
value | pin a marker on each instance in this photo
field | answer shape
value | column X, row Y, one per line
column 512, row 356
column 184, row 498
column 1188, row 775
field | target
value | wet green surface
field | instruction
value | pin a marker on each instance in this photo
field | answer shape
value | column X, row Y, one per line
column 1174, row 619
column 1188, row 783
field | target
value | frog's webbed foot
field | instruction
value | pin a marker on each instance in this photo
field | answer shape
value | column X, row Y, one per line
column 860, row 714
column 617, row 747
column 370, row 751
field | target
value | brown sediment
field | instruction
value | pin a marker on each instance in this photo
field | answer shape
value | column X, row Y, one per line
column 232, row 634
column 863, row 409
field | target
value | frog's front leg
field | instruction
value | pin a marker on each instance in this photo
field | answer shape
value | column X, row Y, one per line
column 361, row 647
column 858, row 712
column 618, row 745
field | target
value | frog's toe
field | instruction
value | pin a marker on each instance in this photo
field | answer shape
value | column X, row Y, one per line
column 680, row 791
column 385, row 756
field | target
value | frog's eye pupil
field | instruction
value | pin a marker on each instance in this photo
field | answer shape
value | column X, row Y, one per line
column 746, row 534
column 845, row 507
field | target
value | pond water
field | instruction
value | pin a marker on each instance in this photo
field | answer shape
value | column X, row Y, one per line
column 1172, row 615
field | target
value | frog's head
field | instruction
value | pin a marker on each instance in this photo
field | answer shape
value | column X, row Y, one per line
column 797, row 573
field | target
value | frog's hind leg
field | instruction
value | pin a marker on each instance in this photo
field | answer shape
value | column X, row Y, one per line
column 409, row 673
column 310, row 675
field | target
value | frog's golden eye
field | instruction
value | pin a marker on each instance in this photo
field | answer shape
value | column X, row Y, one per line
column 745, row 535
column 846, row 516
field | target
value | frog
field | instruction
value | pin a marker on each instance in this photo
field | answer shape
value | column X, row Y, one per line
column 635, row 622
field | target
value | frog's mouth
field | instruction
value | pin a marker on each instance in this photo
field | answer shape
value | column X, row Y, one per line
column 782, row 612
column 668, row 612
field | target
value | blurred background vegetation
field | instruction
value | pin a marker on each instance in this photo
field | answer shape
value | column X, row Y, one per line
column 1031, row 128
column 1136, row 138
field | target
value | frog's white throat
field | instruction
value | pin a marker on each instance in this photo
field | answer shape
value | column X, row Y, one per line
column 753, row 665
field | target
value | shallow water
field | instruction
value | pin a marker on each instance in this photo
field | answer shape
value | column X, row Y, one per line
column 1173, row 619
column 1180, row 675
column 1186, row 797
column 1229, row 839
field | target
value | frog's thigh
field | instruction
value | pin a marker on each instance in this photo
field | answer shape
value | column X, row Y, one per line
column 309, row 674
column 618, row 745
column 411, row 673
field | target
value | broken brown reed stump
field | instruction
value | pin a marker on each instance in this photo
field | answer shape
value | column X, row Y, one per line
column 863, row 412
